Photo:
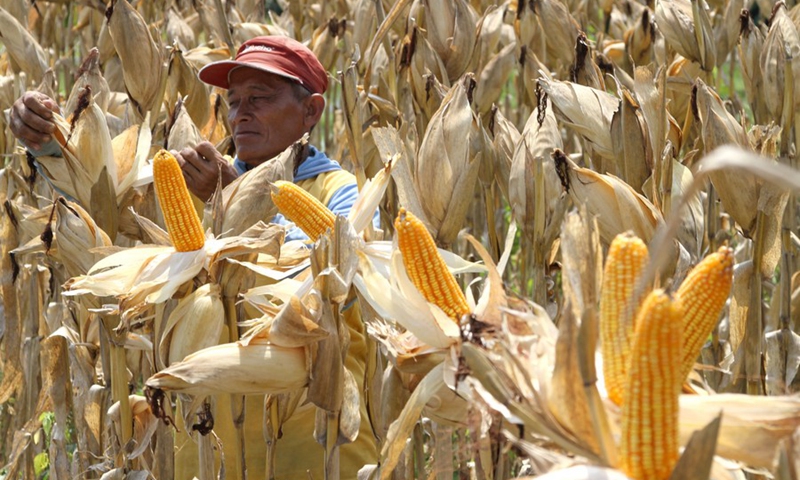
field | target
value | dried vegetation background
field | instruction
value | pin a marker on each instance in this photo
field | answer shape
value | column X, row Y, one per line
column 543, row 128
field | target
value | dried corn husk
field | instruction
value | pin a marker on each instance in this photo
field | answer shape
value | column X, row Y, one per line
column 587, row 111
column 561, row 29
column 182, row 82
column 447, row 165
column 22, row 46
column 141, row 56
column 451, row 30
column 195, row 323
column 616, row 204
column 256, row 368
column 183, row 132
column 90, row 74
column 76, row 235
column 739, row 193
column 687, row 28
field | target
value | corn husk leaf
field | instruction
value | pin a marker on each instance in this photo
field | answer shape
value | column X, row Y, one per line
column 22, row 46
column 140, row 55
column 257, row 368
column 195, row 323
column 587, row 111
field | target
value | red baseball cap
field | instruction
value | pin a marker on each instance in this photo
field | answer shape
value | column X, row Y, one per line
column 275, row 54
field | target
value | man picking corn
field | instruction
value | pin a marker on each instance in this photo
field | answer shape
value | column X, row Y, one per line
column 275, row 93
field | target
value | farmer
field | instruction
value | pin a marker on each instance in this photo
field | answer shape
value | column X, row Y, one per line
column 275, row 93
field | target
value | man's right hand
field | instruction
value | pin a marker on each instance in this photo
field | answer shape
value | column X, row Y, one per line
column 201, row 166
column 32, row 119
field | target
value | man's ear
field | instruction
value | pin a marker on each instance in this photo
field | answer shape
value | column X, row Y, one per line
column 313, row 108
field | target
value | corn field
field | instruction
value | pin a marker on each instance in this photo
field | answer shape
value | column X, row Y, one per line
column 587, row 266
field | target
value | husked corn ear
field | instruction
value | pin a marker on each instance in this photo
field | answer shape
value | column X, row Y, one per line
column 702, row 295
column 299, row 206
column 626, row 259
column 180, row 216
column 426, row 268
column 649, row 444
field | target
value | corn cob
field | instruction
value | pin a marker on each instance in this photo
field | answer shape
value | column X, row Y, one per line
column 426, row 268
column 299, row 206
column 649, row 443
column 626, row 259
column 180, row 216
column 702, row 295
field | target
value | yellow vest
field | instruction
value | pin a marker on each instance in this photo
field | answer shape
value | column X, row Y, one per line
column 296, row 452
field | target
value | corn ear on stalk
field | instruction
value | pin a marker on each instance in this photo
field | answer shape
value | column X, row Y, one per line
column 625, row 262
column 702, row 295
column 649, row 444
column 195, row 323
column 256, row 368
column 299, row 206
column 426, row 268
column 180, row 216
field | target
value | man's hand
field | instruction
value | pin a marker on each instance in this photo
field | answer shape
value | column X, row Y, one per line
column 201, row 166
column 32, row 119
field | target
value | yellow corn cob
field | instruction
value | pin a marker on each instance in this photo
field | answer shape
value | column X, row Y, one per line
column 426, row 268
column 299, row 206
column 626, row 259
column 703, row 294
column 183, row 224
column 649, row 444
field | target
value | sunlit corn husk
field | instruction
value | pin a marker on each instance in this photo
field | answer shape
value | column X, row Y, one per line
column 144, row 423
column 493, row 78
column 727, row 33
column 617, row 205
column 178, row 31
column 141, row 57
column 131, row 149
column 751, row 45
column 76, row 234
column 324, row 41
column 692, row 228
column 247, row 199
column 738, row 192
column 686, row 27
column 633, row 152
column 182, row 82
column 195, row 323
column 581, row 473
column 233, row 368
column 183, row 131
column 152, row 274
column 202, row 56
column 244, row 31
column 505, row 137
column 640, row 38
column 447, row 165
column 584, row 69
column 587, row 111
column 427, row 74
column 451, row 29
column 779, row 55
column 214, row 20
column 396, row 299
column 561, row 29
column 536, row 143
column 90, row 74
column 22, row 46
column 752, row 426
column 86, row 145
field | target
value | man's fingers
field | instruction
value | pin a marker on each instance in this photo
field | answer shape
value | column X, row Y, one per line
column 40, row 104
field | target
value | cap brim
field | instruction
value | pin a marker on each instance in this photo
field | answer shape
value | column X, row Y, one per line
column 218, row 73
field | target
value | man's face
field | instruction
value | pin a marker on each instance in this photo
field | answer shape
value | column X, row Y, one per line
column 265, row 115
